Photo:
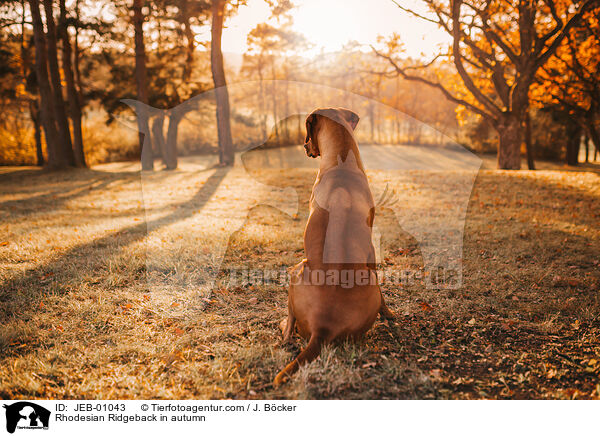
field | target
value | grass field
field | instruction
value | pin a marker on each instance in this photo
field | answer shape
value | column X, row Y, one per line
column 94, row 306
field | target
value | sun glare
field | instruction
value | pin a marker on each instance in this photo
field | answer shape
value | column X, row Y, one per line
column 329, row 25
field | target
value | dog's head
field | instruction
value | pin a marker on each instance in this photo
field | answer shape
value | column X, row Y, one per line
column 315, row 121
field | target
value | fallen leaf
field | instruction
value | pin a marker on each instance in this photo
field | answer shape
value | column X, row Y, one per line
column 425, row 306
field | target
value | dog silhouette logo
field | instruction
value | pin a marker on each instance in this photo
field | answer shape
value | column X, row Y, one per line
column 26, row 415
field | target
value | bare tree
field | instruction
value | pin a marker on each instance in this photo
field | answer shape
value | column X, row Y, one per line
column 504, row 43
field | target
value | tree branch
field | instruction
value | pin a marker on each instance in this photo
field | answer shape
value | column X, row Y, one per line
column 401, row 71
column 543, row 57
column 464, row 75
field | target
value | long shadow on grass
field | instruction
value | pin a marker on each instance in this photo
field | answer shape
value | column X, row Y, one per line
column 85, row 181
column 29, row 282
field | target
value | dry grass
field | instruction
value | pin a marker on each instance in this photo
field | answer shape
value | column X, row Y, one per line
column 93, row 307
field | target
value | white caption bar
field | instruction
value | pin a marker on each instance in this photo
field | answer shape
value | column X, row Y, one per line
column 24, row 417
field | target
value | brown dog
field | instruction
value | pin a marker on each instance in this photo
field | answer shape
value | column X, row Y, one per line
column 334, row 294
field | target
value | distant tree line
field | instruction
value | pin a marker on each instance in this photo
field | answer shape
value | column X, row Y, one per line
column 519, row 76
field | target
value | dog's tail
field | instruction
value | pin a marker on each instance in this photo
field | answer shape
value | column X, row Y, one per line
column 310, row 353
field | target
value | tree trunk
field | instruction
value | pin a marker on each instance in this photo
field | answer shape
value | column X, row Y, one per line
column 62, row 122
column 77, row 56
column 372, row 122
column 158, row 136
column 34, row 113
column 56, row 159
column 510, row 133
column 72, row 94
column 218, row 74
column 593, row 135
column 171, row 145
column 274, row 99
column 586, row 143
column 286, row 110
column 145, row 143
column 189, row 36
column 573, row 145
column 528, row 142
column 263, row 110
column 396, row 109
column 34, row 105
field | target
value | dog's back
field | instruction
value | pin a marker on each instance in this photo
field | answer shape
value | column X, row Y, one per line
column 334, row 292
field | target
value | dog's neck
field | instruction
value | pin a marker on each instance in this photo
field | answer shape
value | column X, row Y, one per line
column 337, row 143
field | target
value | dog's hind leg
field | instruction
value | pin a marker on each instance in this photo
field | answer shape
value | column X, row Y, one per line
column 310, row 353
column 290, row 323
column 385, row 311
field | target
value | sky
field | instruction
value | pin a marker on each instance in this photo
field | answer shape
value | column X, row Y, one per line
column 329, row 24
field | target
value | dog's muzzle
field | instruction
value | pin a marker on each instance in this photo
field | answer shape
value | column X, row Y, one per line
column 309, row 154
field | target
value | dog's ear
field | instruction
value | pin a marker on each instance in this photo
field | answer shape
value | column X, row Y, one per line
column 350, row 117
column 310, row 125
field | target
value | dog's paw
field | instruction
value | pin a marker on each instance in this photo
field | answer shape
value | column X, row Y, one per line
column 387, row 313
column 280, row 379
column 283, row 325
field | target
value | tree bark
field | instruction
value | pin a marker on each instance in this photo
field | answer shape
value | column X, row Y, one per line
column 573, row 145
column 64, row 131
column 144, row 139
column 510, row 133
column 286, row 110
column 158, row 136
column 593, row 135
column 171, row 145
column 77, row 56
column 189, row 36
column 529, row 142
column 263, row 110
column 222, row 95
column 56, row 157
column 72, row 94
column 274, row 98
column 34, row 113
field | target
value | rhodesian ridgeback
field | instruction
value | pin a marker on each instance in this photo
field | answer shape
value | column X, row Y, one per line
column 334, row 293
